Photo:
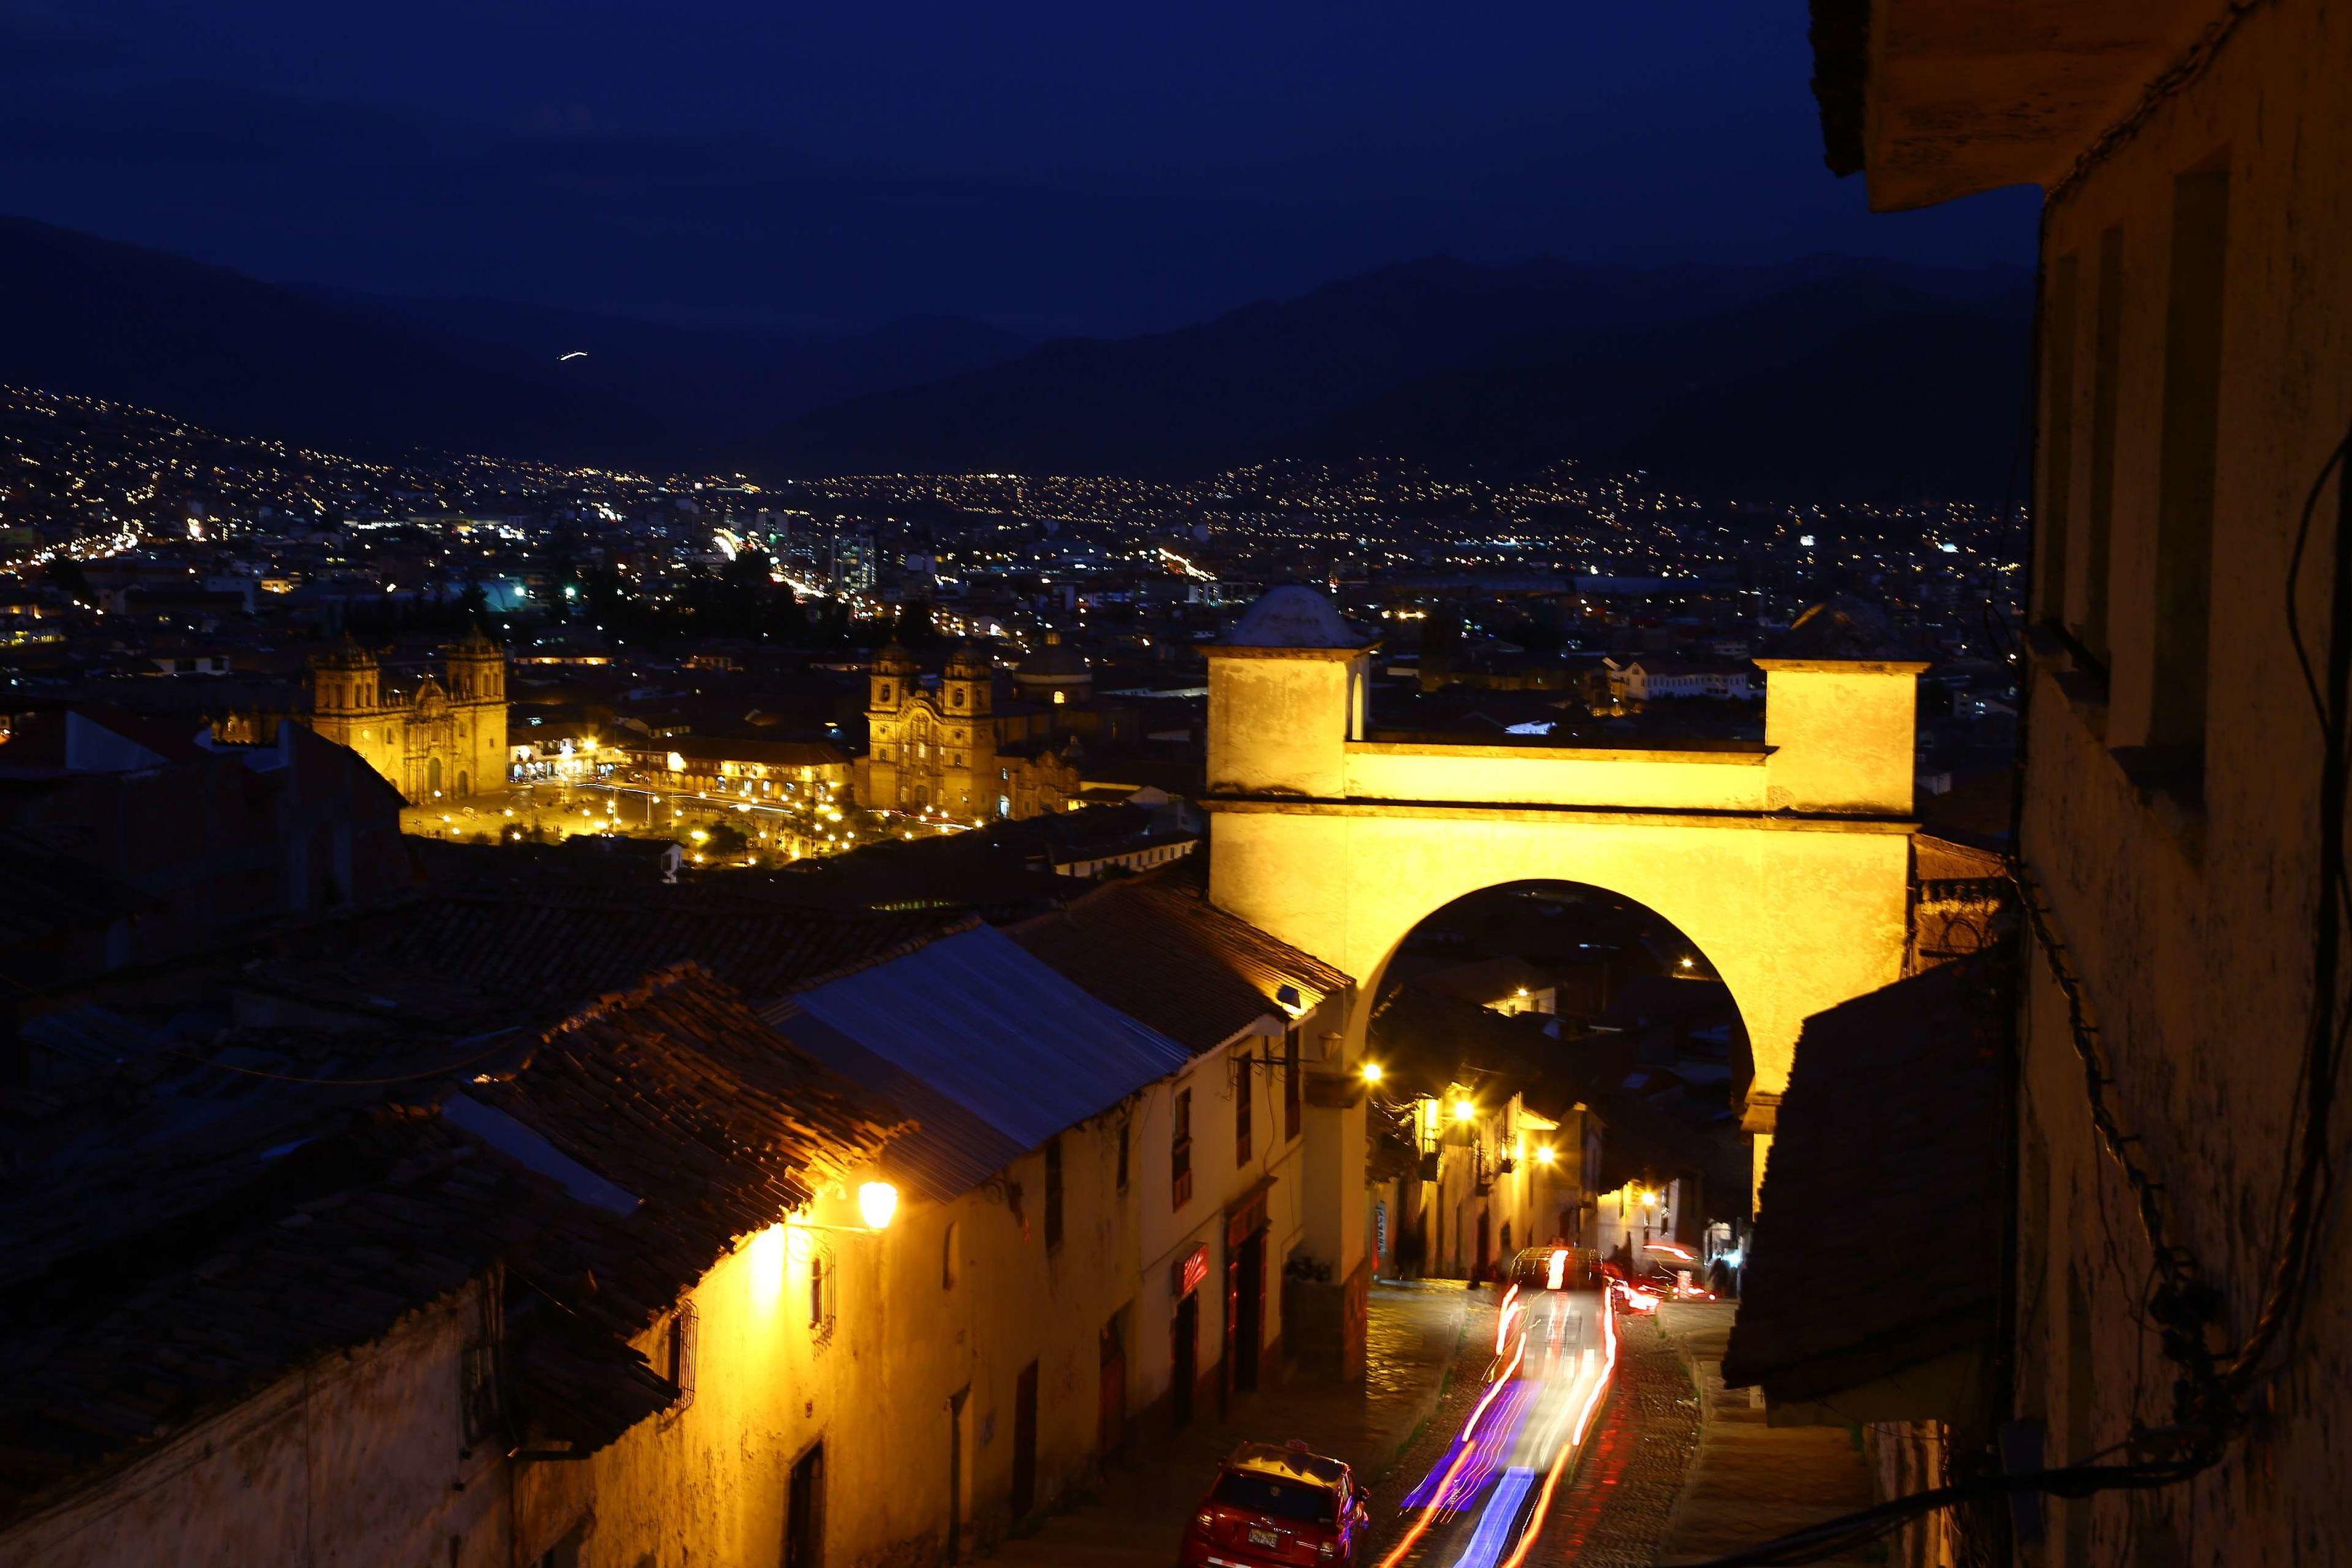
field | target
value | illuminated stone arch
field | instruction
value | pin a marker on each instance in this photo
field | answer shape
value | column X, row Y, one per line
column 1787, row 862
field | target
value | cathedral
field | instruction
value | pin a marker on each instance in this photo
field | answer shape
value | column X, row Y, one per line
column 976, row 744
column 437, row 740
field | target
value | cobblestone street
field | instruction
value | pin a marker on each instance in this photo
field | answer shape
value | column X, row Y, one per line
column 1138, row 1512
column 1675, row 1469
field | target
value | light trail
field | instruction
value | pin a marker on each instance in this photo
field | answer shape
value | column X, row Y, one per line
column 1487, row 1504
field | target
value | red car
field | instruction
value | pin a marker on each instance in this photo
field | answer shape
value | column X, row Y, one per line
column 1278, row 1508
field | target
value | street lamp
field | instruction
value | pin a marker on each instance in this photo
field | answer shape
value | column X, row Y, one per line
column 878, row 1203
column 1371, row 1071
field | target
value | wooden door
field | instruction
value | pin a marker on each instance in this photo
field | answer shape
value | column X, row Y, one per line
column 1024, row 1443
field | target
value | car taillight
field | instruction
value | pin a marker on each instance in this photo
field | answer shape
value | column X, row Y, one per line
column 1328, row 1548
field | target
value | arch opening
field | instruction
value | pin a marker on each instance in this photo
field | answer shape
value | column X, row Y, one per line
column 1556, row 1062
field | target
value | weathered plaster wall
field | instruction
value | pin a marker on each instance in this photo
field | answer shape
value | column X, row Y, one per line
column 2193, row 920
column 356, row 1461
column 710, row 1482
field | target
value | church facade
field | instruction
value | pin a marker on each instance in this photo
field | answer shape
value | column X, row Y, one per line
column 441, row 739
column 963, row 746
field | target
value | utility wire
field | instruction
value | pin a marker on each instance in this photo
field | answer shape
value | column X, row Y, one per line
column 2209, row 1412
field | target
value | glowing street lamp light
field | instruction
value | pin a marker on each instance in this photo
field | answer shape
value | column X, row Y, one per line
column 1372, row 1073
column 1545, row 1154
column 1464, row 1110
column 878, row 1203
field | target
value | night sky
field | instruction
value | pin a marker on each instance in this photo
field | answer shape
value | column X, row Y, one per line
column 1048, row 165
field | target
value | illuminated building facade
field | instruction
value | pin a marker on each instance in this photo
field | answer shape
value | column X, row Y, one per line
column 971, row 745
column 441, row 739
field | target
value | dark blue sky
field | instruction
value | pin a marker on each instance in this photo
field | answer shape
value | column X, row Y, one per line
column 1050, row 165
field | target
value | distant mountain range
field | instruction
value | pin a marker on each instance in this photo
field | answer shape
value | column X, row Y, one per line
column 1820, row 380
column 372, row 376
column 1828, row 379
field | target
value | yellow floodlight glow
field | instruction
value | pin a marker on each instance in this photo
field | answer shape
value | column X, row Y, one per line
column 877, row 1205
column 1464, row 1110
column 1545, row 1154
column 1372, row 1072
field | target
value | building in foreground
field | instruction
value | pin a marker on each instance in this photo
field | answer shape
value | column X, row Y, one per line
column 2159, row 1278
column 489, row 1231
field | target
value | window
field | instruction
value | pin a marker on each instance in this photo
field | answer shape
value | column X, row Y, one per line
column 479, row 1407
column 2191, row 443
column 1243, row 1099
column 1124, row 1132
column 1292, row 1114
column 951, row 1257
column 679, row 1342
column 2058, row 437
column 816, row 1288
column 1053, row 1195
column 2098, row 514
column 1180, row 1149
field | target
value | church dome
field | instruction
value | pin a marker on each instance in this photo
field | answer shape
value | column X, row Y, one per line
column 1053, row 661
column 1293, row 615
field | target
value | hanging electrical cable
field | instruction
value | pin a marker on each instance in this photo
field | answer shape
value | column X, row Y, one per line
column 2209, row 1401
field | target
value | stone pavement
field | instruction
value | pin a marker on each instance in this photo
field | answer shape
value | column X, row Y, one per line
column 1617, row 1510
column 1750, row 1482
column 1138, row 1512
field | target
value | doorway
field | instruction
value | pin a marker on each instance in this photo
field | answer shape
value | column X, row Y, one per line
column 1486, row 1253
column 1110, row 1395
column 1183, row 1357
column 804, row 1511
column 1024, row 1443
column 1244, row 1310
column 959, row 1415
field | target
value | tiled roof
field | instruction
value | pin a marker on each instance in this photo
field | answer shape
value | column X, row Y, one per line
column 170, row 1312
column 1156, row 949
column 228, row 1226
column 564, row 946
column 1888, row 1148
column 678, row 1093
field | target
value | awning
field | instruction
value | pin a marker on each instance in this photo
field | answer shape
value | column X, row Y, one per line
column 1872, row 1284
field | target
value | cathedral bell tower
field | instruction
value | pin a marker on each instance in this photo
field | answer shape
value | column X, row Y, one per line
column 888, row 678
column 344, row 681
column 968, row 686
column 476, row 668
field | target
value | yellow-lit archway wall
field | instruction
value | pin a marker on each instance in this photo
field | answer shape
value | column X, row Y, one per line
column 1787, row 863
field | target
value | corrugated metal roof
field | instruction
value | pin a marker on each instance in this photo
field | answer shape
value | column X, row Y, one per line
column 989, row 1049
